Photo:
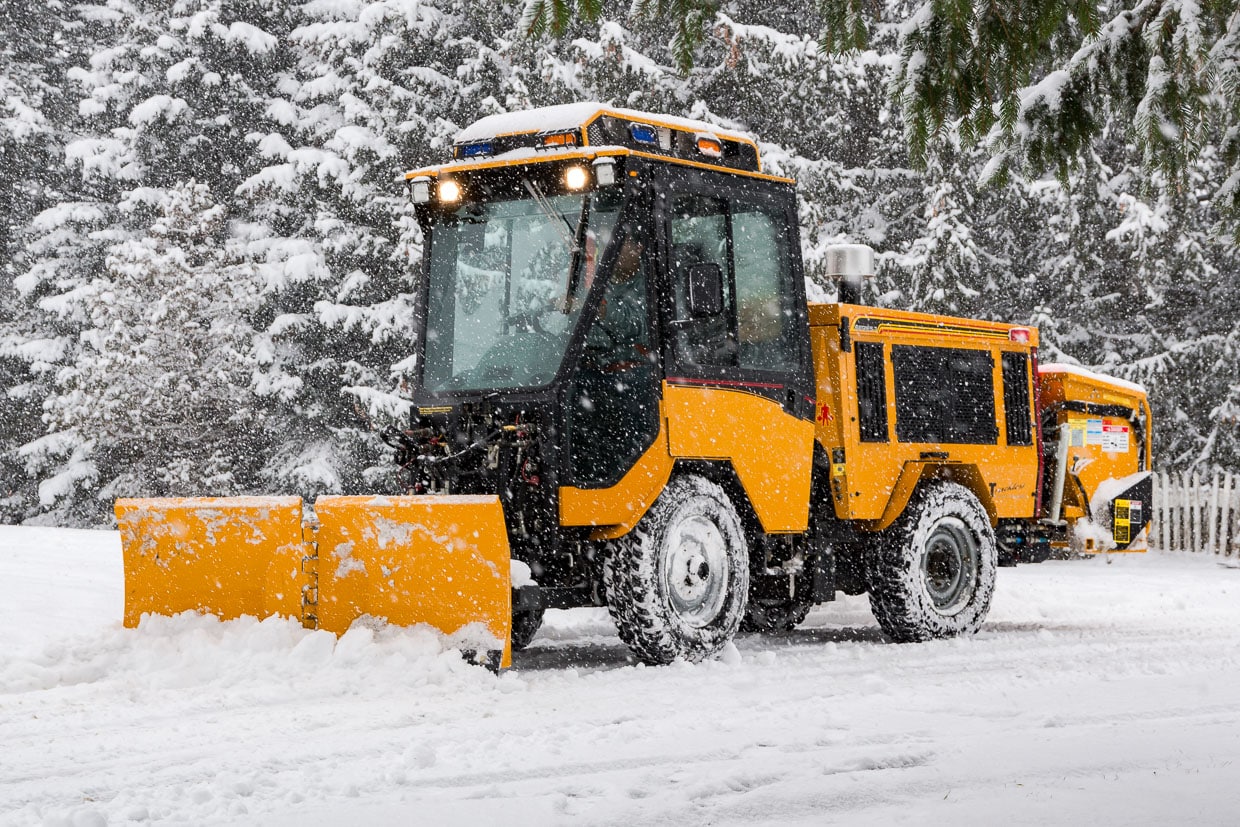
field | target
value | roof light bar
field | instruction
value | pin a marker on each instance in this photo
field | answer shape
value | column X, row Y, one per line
column 710, row 147
column 560, row 139
column 644, row 133
column 477, row 149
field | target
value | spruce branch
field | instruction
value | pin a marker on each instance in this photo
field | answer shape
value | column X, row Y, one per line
column 1033, row 80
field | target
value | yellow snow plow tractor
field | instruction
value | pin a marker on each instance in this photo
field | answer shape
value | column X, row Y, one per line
column 622, row 398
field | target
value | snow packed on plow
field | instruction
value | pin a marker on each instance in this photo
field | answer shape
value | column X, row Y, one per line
column 1095, row 690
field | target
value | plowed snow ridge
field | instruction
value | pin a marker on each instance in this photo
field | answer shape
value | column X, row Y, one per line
column 1096, row 693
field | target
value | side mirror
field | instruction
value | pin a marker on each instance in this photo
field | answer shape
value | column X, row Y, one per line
column 705, row 290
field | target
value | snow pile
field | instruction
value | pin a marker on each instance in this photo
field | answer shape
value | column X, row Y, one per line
column 244, row 657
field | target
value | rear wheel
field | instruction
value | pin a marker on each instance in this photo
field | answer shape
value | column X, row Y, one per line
column 933, row 574
column 676, row 584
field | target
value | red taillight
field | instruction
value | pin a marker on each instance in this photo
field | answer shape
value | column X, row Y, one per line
column 1020, row 335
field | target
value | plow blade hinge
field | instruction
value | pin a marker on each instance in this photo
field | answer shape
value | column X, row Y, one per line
column 224, row 556
column 439, row 560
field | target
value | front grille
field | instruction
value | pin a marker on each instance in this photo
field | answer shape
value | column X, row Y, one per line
column 944, row 395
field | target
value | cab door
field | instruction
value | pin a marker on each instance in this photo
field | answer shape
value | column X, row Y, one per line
column 738, row 380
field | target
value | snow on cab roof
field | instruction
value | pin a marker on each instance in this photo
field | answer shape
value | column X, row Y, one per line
column 1085, row 373
column 570, row 115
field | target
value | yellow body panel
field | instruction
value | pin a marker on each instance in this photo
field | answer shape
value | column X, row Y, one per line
column 618, row 508
column 914, row 473
column 223, row 556
column 438, row 560
column 876, row 479
column 919, row 328
column 771, row 450
column 1093, row 464
column 1105, row 454
column 1077, row 385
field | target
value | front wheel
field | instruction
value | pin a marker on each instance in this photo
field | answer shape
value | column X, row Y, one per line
column 933, row 574
column 676, row 584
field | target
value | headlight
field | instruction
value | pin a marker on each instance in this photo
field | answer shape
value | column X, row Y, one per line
column 420, row 190
column 576, row 178
column 449, row 192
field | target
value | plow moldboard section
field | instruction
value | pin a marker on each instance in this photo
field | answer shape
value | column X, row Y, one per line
column 439, row 560
column 226, row 556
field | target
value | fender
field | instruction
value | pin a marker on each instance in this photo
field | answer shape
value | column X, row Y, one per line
column 915, row 472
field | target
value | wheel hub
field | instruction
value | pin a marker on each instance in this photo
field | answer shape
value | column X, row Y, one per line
column 949, row 567
column 695, row 570
column 699, row 569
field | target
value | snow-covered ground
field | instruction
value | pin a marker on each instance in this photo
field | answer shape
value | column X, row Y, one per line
column 1096, row 693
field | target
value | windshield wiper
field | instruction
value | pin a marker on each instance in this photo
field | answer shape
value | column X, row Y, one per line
column 567, row 231
column 574, row 264
column 573, row 236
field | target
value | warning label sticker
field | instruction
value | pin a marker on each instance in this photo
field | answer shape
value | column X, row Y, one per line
column 1111, row 435
column 1115, row 438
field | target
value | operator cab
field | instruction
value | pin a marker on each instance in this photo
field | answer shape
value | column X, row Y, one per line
column 578, row 260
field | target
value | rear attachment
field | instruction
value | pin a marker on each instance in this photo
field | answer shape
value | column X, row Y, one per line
column 443, row 561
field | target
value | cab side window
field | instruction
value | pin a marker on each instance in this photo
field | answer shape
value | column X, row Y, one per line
column 755, row 326
column 699, row 235
column 764, row 314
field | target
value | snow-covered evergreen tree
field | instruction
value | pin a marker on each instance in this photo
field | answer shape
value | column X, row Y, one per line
column 162, row 101
column 373, row 91
column 39, row 40
column 156, row 398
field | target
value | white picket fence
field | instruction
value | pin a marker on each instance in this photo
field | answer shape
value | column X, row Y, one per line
column 1196, row 514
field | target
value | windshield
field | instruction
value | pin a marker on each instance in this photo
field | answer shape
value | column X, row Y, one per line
column 502, row 305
